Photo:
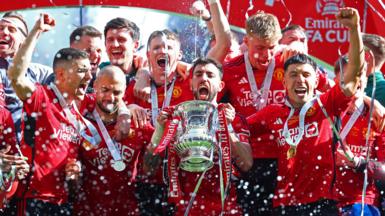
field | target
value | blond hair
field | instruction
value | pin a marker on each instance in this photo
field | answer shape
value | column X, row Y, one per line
column 263, row 25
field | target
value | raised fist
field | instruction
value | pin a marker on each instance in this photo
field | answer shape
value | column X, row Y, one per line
column 349, row 17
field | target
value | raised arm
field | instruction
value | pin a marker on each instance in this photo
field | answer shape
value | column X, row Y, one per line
column 222, row 34
column 16, row 73
column 350, row 18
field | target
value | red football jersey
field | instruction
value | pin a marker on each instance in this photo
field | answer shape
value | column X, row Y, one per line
column 7, row 130
column 348, row 187
column 237, row 87
column 55, row 141
column 181, row 93
column 104, row 190
column 208, row 199
column 7, row 137
column 2, row 95
column 307, row 176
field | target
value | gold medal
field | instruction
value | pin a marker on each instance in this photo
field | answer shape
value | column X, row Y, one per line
column 291, row 152
column 87, row 145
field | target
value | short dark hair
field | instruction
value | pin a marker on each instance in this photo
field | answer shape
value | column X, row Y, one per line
column 206, row 61
column 16, row 15
column 84, row 30
column 169, row 34
column 68, row 54
column 292, row 27
column 118, row 23
column 300, row 59
column 376, row 44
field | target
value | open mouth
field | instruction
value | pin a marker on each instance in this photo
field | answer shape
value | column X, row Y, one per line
column 117, row 53
column 83, row 87
column 301, row 91
column 203, row 92
column 94, row 66
column 4, row 43
column 161, row 62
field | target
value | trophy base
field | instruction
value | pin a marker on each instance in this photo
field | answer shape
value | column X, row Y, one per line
column 197, row 157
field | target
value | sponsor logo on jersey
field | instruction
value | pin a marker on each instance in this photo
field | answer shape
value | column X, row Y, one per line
column 243, row 80
column 275, row 97
column 278, row 121
column 103, row 155
column 66, row 133
column 311, row 130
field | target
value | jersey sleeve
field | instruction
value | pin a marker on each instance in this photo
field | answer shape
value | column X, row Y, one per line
column 36, row 102
column 7, row 131
column 129, row 97
column 241, row 128
column 335, row 101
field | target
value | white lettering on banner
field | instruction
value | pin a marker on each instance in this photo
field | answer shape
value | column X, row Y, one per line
column 311, row 130
column 275, row 97
column 66, row 133
column 173, row 178
column 334, row 32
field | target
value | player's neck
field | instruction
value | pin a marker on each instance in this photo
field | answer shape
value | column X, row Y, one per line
column 159, row 80
column 68, row 98
column 127, row 67
column 107, row 118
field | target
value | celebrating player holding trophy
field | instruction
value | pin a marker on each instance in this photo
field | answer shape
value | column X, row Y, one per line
column 200, row 145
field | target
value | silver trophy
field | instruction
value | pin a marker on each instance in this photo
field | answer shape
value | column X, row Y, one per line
column 196, row 139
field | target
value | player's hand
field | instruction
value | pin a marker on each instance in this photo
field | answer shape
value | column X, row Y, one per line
column 72, row 169
column 142, row 87
column 122, row 127
column 44, row 23
column 198, row 9
column 164, row 116
column 293, row 49
column 139, row 115
column 229, row 112
column 349, row 17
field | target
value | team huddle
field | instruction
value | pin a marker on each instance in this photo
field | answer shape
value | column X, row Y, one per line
column 87, row 137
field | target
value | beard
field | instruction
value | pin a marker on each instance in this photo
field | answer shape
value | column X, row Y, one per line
column 110, row 108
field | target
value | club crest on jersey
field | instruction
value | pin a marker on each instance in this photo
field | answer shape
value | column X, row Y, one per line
column 278, row 74
column 365, row 131
column 311, row 111
column 176, row 92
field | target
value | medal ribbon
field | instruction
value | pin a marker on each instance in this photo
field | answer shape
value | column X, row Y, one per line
column 154, row 99
column 302, row 113
column 353, row 118
column 263, row 96
column 115, row 153
column 95, row 139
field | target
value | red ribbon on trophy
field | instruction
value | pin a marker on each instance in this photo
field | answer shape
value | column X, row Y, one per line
column 223, row 138
column 169, row 135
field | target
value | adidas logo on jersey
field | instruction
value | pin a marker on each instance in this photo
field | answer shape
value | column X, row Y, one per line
column 243, row 81
column 278, row 121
